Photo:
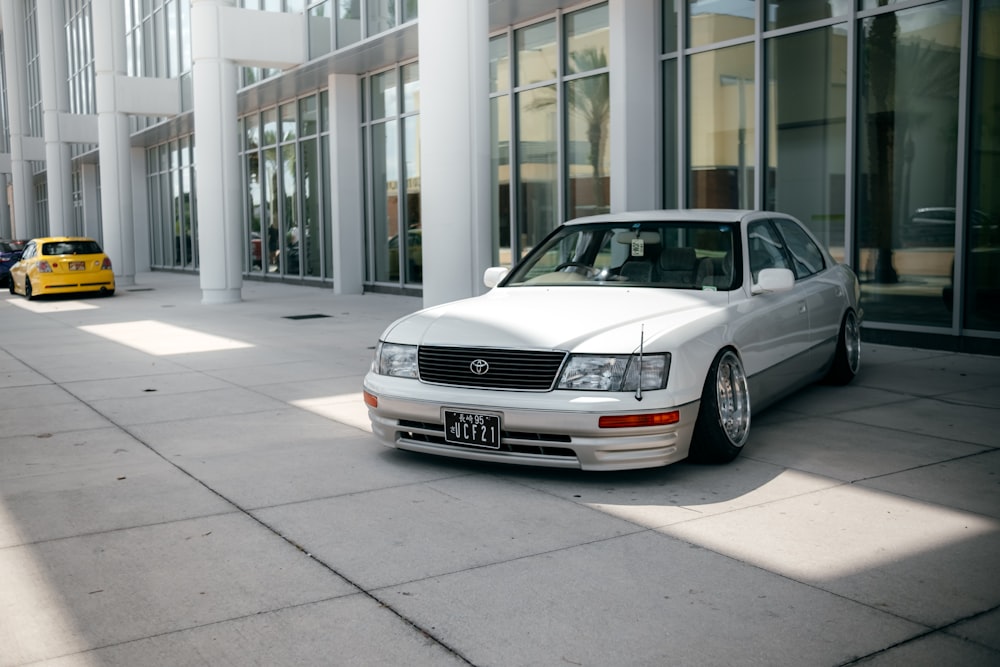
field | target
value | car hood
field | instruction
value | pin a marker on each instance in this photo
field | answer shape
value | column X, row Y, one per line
column 577, row 319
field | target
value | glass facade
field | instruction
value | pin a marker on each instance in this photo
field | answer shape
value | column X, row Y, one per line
column 391, row 130
column 287, row 207
column 850, row 117
column 551, row 119
column 875, row 122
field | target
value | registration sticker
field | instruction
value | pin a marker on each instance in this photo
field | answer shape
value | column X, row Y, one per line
column 475, row 429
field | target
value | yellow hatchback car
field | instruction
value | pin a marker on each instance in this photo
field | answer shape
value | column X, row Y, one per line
column 62, row 265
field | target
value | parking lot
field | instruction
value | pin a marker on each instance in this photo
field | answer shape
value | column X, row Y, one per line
column 183, row 484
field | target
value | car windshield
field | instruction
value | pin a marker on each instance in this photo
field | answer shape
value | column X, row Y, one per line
column 71, row 248
column 685, row 255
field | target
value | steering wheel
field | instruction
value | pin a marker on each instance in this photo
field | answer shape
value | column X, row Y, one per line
column 578, row 267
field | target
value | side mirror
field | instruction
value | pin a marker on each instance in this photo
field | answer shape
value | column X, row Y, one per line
column 493, row 275
column 774, row 280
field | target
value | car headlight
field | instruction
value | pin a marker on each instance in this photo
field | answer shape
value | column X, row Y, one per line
column 589, row 372
column 396, row 360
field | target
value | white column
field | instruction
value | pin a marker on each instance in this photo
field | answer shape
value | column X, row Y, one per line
column 22, row 190
column 454, row 147
column 216, row 156
column 112, row 126
column 346, row 210
column 635, row 93
column 140, row 210
column 55, row 101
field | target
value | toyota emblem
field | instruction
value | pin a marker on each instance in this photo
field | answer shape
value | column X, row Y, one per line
column 479, row 367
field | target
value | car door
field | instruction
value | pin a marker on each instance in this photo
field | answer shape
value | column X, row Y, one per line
column 776, row 326
column 823, row 297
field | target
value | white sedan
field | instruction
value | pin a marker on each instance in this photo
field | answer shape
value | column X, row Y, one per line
column 621, row 341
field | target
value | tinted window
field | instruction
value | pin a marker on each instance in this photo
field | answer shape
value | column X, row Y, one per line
column 806, row 257
column 71, row 248
column 766, row 251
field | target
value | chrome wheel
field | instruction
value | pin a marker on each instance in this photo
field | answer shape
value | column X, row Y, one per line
column 733, row 399
column 852, row 342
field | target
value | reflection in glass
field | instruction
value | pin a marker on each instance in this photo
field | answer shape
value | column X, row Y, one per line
column 290, row 218
column 588, row 109
column 381, row 15
column 500, row 178
column 383, row 87
column 785, row 13
column 312, row 193
column 413, row 260
column 806, row 120
column 908, row 91
column 537, row 168
column 587, row 40
column 669, row 26
column 410, row 74
column 499, row 64
column 982, row 231
column 270, row 206
column 308, row 116
column 320, row 23
column 348, row 22
column 537, row 59
column 710, row 21
column 723, row 127
column 385, row 200
column 670, row 143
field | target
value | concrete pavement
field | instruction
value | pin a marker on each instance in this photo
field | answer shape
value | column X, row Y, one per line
column 183, row 484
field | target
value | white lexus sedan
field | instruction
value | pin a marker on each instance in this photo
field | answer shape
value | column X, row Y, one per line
column 621, row 341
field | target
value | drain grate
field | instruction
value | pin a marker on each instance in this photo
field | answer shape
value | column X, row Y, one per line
column 310, row 316
column 139, row 289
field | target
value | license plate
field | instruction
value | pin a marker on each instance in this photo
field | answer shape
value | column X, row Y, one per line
column 77, row 266
column 473, row 429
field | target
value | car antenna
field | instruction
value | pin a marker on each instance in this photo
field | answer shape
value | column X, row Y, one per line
column 638, row 384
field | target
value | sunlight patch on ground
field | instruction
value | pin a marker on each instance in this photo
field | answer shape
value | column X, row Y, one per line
column 50, row 306
column 832, row 533
column 348, row 409
column 163, row 339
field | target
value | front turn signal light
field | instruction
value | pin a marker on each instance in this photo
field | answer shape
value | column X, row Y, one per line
column 371, row 400
column 632, row 421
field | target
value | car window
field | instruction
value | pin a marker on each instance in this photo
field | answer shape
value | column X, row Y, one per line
column 806, row 256
column 766, row 249
column 71, row 248
column 684, row 255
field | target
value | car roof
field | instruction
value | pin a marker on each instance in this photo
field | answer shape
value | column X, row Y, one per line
column 58, row 239
column 672, row 215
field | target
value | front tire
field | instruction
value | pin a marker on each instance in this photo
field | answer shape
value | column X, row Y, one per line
column 723, row 423
column 10, row 285
column 847, row 357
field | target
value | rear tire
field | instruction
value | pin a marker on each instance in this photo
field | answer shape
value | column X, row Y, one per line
column 10, row 285
column 723, row 423
column 27, row 290
column 847, row 357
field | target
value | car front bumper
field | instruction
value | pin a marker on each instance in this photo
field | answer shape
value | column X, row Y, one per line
column 553, row 429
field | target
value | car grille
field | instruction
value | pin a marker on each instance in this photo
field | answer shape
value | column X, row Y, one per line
column 523, row 370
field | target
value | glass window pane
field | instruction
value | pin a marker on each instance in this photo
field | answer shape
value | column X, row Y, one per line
column 671, row 157
column 588, row 159
column 383, row 89
column 907, row 129
column 410, row 75
column 982, row 276
column 413, row 234
column 308, row 119
column 784, row 13
column 723, row 128
column 670, row 19
column 537, row 59
column 537, row 169
column 499, row 64
column 309, row 244
column 320, row 30
column 288, row 122
column 270, row 207
column 500, row 175
column 385, row 200
column 270, row 135
column 587, row 40
column 806, row 114
column 290, row 217
column 348, row 22
column 381, row 16
column 710, row 21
